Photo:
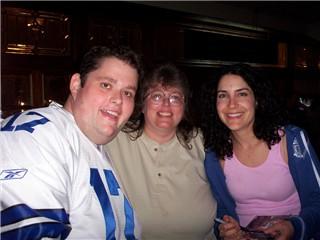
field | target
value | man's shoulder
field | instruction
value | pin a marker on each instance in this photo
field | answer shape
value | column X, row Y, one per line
column 39, row 124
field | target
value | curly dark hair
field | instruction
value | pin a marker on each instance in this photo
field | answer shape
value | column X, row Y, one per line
column 168, row 75
column 270, row 116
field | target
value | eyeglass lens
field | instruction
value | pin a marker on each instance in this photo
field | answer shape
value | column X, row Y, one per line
column 174, row 98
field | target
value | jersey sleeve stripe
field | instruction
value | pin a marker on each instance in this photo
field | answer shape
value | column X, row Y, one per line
column 22, row 211
column 38, row 231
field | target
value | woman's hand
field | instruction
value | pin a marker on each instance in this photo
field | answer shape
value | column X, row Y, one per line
column 230, row 230
column 281, row 230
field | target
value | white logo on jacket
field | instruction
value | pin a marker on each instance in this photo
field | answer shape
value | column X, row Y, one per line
column 296, row 149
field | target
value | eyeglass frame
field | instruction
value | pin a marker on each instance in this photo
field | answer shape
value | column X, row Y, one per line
column 165, row 96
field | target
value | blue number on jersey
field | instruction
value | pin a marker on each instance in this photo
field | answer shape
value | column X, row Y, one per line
column 27, row 126
column 96, row 182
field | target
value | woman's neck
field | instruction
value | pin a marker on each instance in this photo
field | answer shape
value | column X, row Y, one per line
column 158, row 135
column 245, row 139
column 248, row 149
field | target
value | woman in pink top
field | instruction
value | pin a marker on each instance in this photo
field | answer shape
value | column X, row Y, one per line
column 247, row 160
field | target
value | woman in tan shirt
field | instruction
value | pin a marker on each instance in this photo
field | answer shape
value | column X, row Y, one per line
column 159, row 159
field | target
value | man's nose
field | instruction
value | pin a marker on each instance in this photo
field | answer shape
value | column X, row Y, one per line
column 116, row 98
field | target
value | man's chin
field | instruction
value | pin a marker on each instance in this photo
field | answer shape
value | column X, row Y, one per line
column 111, row 135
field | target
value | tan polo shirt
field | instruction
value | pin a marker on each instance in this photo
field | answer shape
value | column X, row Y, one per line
column 167, row 186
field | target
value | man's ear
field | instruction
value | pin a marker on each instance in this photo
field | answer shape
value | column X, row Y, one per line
column 75, row 85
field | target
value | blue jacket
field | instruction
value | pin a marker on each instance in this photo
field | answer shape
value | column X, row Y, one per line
column 304, row 167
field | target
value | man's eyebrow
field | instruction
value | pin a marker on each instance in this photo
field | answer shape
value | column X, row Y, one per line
column 134, row 88
column 107, row 78
column 112, row 80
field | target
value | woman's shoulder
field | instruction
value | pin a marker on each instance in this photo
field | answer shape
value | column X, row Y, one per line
column 197, row 133
column 197, row 138
column 120, row 139
column 293, row 129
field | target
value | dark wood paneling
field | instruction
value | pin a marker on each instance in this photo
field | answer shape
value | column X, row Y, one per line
column 38, row 60
column 35, row 32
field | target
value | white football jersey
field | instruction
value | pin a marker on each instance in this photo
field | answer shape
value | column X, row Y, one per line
column 57, row 184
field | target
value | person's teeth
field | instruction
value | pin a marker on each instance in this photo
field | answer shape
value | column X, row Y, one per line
column 112, row 113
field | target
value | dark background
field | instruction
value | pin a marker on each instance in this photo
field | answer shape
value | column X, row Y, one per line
column 41, row 43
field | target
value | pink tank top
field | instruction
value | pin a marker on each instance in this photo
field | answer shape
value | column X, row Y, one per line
column 267, row 189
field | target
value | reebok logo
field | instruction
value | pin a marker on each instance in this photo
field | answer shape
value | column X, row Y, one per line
column 13, row 174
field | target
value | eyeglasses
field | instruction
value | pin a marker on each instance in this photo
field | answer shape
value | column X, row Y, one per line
column 175, row 99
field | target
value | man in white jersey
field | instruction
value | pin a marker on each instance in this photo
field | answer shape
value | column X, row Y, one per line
column 56, row 181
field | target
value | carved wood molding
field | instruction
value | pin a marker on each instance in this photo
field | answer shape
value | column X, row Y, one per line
column 35, row 32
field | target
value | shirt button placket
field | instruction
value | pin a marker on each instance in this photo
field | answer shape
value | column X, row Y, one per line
column 157, row 150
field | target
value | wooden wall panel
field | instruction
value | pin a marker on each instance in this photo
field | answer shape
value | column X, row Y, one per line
column 35, row 32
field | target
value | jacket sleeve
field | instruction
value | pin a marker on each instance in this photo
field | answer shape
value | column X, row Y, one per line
column 304, row 167
column 216, row 178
